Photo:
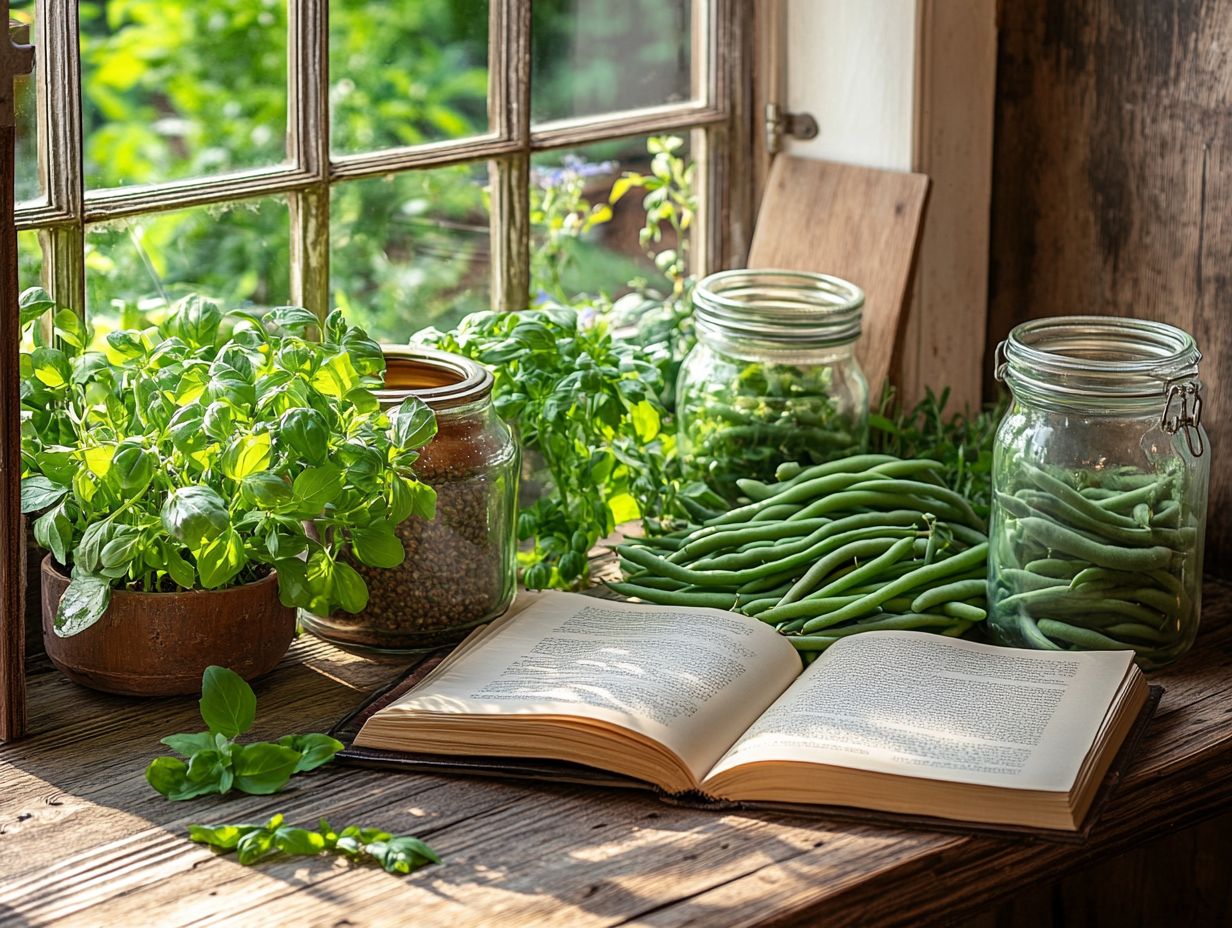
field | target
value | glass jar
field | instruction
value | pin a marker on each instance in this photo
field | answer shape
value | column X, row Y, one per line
column 773, row 376
column 460, row 569
column 1099, row 489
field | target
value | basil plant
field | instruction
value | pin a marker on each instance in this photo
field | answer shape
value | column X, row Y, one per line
column 207, row 451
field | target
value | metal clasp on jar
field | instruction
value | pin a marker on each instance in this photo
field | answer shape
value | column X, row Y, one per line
column 1188, row 416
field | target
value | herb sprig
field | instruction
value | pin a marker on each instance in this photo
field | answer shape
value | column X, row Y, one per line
column 213, row 761
column 255, row 843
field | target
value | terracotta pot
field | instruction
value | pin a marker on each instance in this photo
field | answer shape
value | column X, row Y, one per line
column 158, row 644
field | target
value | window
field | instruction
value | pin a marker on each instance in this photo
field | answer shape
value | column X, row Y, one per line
column 374, row 156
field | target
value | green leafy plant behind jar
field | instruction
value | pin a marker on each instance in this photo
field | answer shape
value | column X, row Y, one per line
column 205, row 452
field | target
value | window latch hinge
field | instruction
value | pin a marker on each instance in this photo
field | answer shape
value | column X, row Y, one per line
column 780, row 123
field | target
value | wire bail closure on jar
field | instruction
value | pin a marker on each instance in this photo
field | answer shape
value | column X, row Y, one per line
column 1189, row 417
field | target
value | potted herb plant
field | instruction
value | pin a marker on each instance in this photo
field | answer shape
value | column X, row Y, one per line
column 198, row 481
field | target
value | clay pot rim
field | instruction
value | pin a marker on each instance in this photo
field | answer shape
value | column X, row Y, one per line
column 49, row 566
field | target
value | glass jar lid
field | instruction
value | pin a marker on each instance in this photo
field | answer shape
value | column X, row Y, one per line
column 1109, row 364
column 779, row 307
column 442, row 380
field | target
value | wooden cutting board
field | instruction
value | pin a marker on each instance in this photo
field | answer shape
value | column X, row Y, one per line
column 860, row 224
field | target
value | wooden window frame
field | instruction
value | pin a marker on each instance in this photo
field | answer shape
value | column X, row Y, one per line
column 719, row 120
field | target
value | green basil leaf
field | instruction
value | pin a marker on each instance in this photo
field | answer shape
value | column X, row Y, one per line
column 51, row 367
column 306, row 432
column 263, row 768
column 411, row 424
column 190, row 744
column 292, row 318
column 88, row 554
column 124, row 346
column 132, row 468
column 187, row 429
column 195, row 515
column 265, row 490
column 349, row 588
column 314, row 749
column 228, row 704
column 121, row 549
column 167, row 775
column 83, row 603
column 221, row 836
column 53, row 532
column 255, row 845
column 315, row 488
column 194, row 320
column 219, row 420
column 377, row 546
column 247, row 455
column 221, row 560
column 37, row 492
column 293, row 588
column 182, row 573
column 298, row 841
column 34, row 302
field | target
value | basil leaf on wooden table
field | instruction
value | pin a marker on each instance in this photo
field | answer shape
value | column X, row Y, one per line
column 217, row 763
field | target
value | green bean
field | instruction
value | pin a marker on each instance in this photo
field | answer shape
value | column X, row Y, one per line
column 675, row 597
column 1142, row 515
column 1020, row 579
column 787, row 470
column 922, row 576
column 1072, row 498
column 1084, row 637
column 964, row 611
column 778, row 511
column 905, row 622
column 1059, row 510
column 1147, row 493
column 1034, row 637
column 947, row 593
column 892, row 555
column 812, row 642
column 755, row 489
column 808, row 490
column 855, row 499
column 1134, row 630
column 752, row 558
column 1070, row 602
column 1169, row 515
column 705, row 540
column 919, row 489
column 855, row 464
column 1055, row 567
column 1057, row 537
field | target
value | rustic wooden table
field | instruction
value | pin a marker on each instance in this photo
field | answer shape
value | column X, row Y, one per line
column 84, row 840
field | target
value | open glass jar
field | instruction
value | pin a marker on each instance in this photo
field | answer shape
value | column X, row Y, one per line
column 1100, row 485
column 773, row 376
column 460, row 569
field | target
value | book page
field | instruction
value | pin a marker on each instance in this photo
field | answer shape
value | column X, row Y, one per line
column 921, row 705
column 691, row 679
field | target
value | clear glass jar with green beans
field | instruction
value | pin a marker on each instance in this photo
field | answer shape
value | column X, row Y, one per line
column 1100, row 478
column 773, row 376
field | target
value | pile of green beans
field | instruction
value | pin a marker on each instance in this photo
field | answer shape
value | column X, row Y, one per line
column 1091, row 559
column 864, row 543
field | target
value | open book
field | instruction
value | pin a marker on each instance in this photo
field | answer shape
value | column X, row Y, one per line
column 703, row 700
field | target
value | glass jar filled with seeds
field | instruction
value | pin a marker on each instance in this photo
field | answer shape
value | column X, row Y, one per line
column 460, row 569
column 1100, row 477
column 773, row 377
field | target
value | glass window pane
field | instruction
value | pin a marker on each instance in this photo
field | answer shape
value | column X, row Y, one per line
column 185, row 89
column 407, row 73
column 582, row 244
column 410, row 250
column 29, row 271
column 236, row 253
column 29, row 184
column 595, row 56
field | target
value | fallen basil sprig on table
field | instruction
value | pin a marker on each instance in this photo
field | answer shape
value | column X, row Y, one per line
column 216, row 763
column 254, row 843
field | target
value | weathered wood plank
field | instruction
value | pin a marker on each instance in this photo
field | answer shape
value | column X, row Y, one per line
column 1112, row 183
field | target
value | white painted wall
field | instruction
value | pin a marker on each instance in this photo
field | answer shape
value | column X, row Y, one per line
column 851, row 64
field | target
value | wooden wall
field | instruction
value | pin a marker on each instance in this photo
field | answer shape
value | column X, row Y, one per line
column 1112, row 183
